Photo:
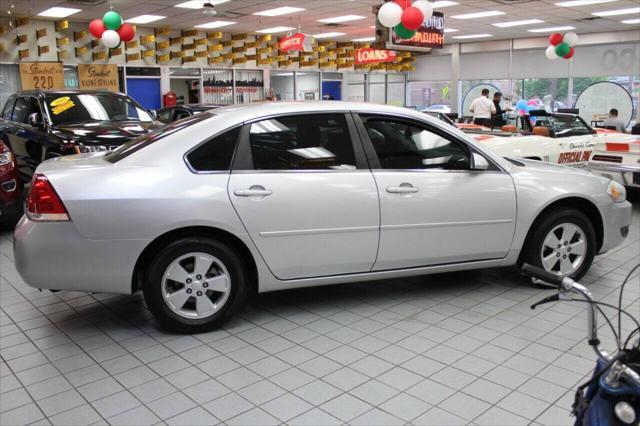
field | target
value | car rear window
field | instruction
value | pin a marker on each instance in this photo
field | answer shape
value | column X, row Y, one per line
column 143, row 141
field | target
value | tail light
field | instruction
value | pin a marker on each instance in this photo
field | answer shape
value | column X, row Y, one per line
column 43, row 203
column 6, row 158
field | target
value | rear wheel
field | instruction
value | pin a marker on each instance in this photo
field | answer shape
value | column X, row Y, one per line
column 195, row 284
column 564, row 242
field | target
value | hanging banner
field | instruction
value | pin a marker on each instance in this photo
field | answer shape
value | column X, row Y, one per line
column 98, row 77
column 371, row 56
column 294, row 42
column 41, row 75
column 430, row 35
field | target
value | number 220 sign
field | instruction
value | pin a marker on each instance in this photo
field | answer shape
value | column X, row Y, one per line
column 41, row 75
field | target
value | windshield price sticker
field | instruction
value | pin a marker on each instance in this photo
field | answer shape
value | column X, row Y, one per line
column 61, row 104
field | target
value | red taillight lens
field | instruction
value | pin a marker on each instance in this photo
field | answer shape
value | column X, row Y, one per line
column 43, row 202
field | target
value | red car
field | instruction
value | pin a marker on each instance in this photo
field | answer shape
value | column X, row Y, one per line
column 10, row 187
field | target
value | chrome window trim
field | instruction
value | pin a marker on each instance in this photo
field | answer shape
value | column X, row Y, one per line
column 470, row 171
column 294, row 171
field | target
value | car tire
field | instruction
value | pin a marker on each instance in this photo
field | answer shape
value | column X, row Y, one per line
column 556, row 222
column 195, row 301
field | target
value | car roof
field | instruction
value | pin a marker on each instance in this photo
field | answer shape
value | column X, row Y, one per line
column 66, row 92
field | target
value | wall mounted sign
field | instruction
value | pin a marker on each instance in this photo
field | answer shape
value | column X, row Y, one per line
column 294, row 42
column 430, row 35
column 41, row 75
column 371, row 56
column 98, row 77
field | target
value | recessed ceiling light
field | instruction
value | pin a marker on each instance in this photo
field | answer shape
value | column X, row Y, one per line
column 485, row 14
column 275, row 30
column 215, row 24
column 198, row 4
column 145, row 19
column 59, row 12
column 327, row 35
column 552, row 29
column 450, row 30
column 576, row 3
column 339, row 19
column 473, row 36
column 631, row 21
column 363, row 39
column 517, row 23
column 444, row 3
column 618, row 12
column 285, row 10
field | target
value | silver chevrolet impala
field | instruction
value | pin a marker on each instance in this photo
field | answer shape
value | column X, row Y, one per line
column 282, row 195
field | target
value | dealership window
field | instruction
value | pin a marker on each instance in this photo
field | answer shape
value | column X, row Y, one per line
column 425, row 94
column 471, row 89
column 217, row 86
column 215, row 154
column 9, row 81
column 545, row 93
column 377, row 88
column 302, row 142
column 631, row 84
column 71, row 77
column 307, row 86
column 282, row 85
column 249, row 86
column 396, row 89
column 355, row 90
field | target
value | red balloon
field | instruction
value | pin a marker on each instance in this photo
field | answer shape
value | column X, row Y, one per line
column 126, row 32
column 412, row 18
column 570, row 54
column 96, row 28
column 403, row 3
column 555, row 39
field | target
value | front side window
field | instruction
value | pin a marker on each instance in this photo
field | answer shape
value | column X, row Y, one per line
column 215, row 154
column 72, row 108
column 8, row 108
column 20, row 110
column 164, row 115
column 403, row 145
column 302, row 142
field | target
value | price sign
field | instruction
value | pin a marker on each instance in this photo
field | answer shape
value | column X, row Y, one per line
column 41, row 75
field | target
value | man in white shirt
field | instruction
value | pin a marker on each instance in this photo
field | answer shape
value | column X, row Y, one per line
column 482, row 109
column 614, row 121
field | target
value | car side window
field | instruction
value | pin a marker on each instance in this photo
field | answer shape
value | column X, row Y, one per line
column 180, row 113
column 216, row 153
column 8, row 108
column 404, row 145
column 164, row 115
column 20, row 110
column 302, row 142
column 34, row 106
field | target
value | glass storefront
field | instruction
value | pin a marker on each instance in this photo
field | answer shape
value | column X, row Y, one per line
column 249, row 86
column 282, row 85
column 396, row 89
column 217, row 86
column 377, row 88
column 355, row 87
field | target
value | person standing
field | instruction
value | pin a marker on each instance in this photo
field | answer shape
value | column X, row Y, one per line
column 482, row 109
column 614, row 121
column 498, row 117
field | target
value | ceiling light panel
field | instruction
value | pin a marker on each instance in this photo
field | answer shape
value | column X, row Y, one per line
column 437, row 4
column 517, row 23
column 285, row 10
column 275, row 30
column 145, row 19
column 59, row 12
column 198, row 4
column 476, row 15
column 631, row 21
column 328, row 35
column 340, row 19
column 577, row 3
column 364, row 39
column 552, row 29
column 216, row 24
column 617, row 12
column 450, row 30
column 473, row 36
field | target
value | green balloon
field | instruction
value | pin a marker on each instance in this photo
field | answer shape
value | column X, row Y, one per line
column 112, row 20
column 402, row 32
column 563, row 49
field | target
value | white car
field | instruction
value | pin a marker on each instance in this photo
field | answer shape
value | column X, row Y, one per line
column 618, row 158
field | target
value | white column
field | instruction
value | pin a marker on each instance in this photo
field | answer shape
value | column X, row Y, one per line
column 455, row 77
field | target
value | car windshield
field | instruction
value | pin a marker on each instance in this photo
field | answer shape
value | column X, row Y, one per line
column 71, row 108
column 564, row 125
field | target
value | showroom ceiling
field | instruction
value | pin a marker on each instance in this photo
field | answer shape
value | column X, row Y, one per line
column 241, row 13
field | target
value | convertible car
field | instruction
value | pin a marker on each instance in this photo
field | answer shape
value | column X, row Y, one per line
column 274, row 196
column 619, row 160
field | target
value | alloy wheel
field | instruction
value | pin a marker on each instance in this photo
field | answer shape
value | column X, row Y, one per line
column 564, row 249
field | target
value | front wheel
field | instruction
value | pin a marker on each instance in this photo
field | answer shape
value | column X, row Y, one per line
column 195, row 284
column 564, row 242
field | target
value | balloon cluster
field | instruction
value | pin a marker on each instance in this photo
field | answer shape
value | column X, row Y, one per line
column 111, row 30
column 405, row 17
column 561, row 46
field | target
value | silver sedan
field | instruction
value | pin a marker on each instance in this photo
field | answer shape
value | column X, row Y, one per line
column 276, row 196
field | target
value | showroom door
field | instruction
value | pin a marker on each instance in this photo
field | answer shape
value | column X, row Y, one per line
column 307, row 200
column 434, row 209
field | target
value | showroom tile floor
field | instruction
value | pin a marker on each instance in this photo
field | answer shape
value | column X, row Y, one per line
column 445, row 349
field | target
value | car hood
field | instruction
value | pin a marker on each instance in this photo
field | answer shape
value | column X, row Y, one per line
column 105, row 133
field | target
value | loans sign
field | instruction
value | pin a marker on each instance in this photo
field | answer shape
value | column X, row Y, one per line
column 98, row 77
column 429, row 35
column 373, row 56
column 41, row 75
column 293, row 42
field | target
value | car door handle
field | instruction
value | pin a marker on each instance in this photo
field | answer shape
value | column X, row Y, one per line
column 405, row 188
column 254, row 191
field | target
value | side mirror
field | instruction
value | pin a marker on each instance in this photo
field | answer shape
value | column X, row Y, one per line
column 35, row 120
column 479, row 162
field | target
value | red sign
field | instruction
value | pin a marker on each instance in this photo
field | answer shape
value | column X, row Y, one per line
column 429, row 35
column 294, row 42
column 369, row 56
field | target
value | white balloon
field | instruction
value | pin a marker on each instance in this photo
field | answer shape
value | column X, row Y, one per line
column 425, row 7
column 110, row 39
column 571, row 39
column 551, row 53
column 390, row 14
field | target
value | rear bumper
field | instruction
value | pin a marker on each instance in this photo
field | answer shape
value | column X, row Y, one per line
column 53, row 255
column 617, row 221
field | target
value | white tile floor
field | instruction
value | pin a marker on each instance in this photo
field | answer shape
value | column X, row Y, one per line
column 444, row 349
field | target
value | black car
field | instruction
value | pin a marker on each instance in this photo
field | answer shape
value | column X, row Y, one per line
column 173, row 113
column 38, row 125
